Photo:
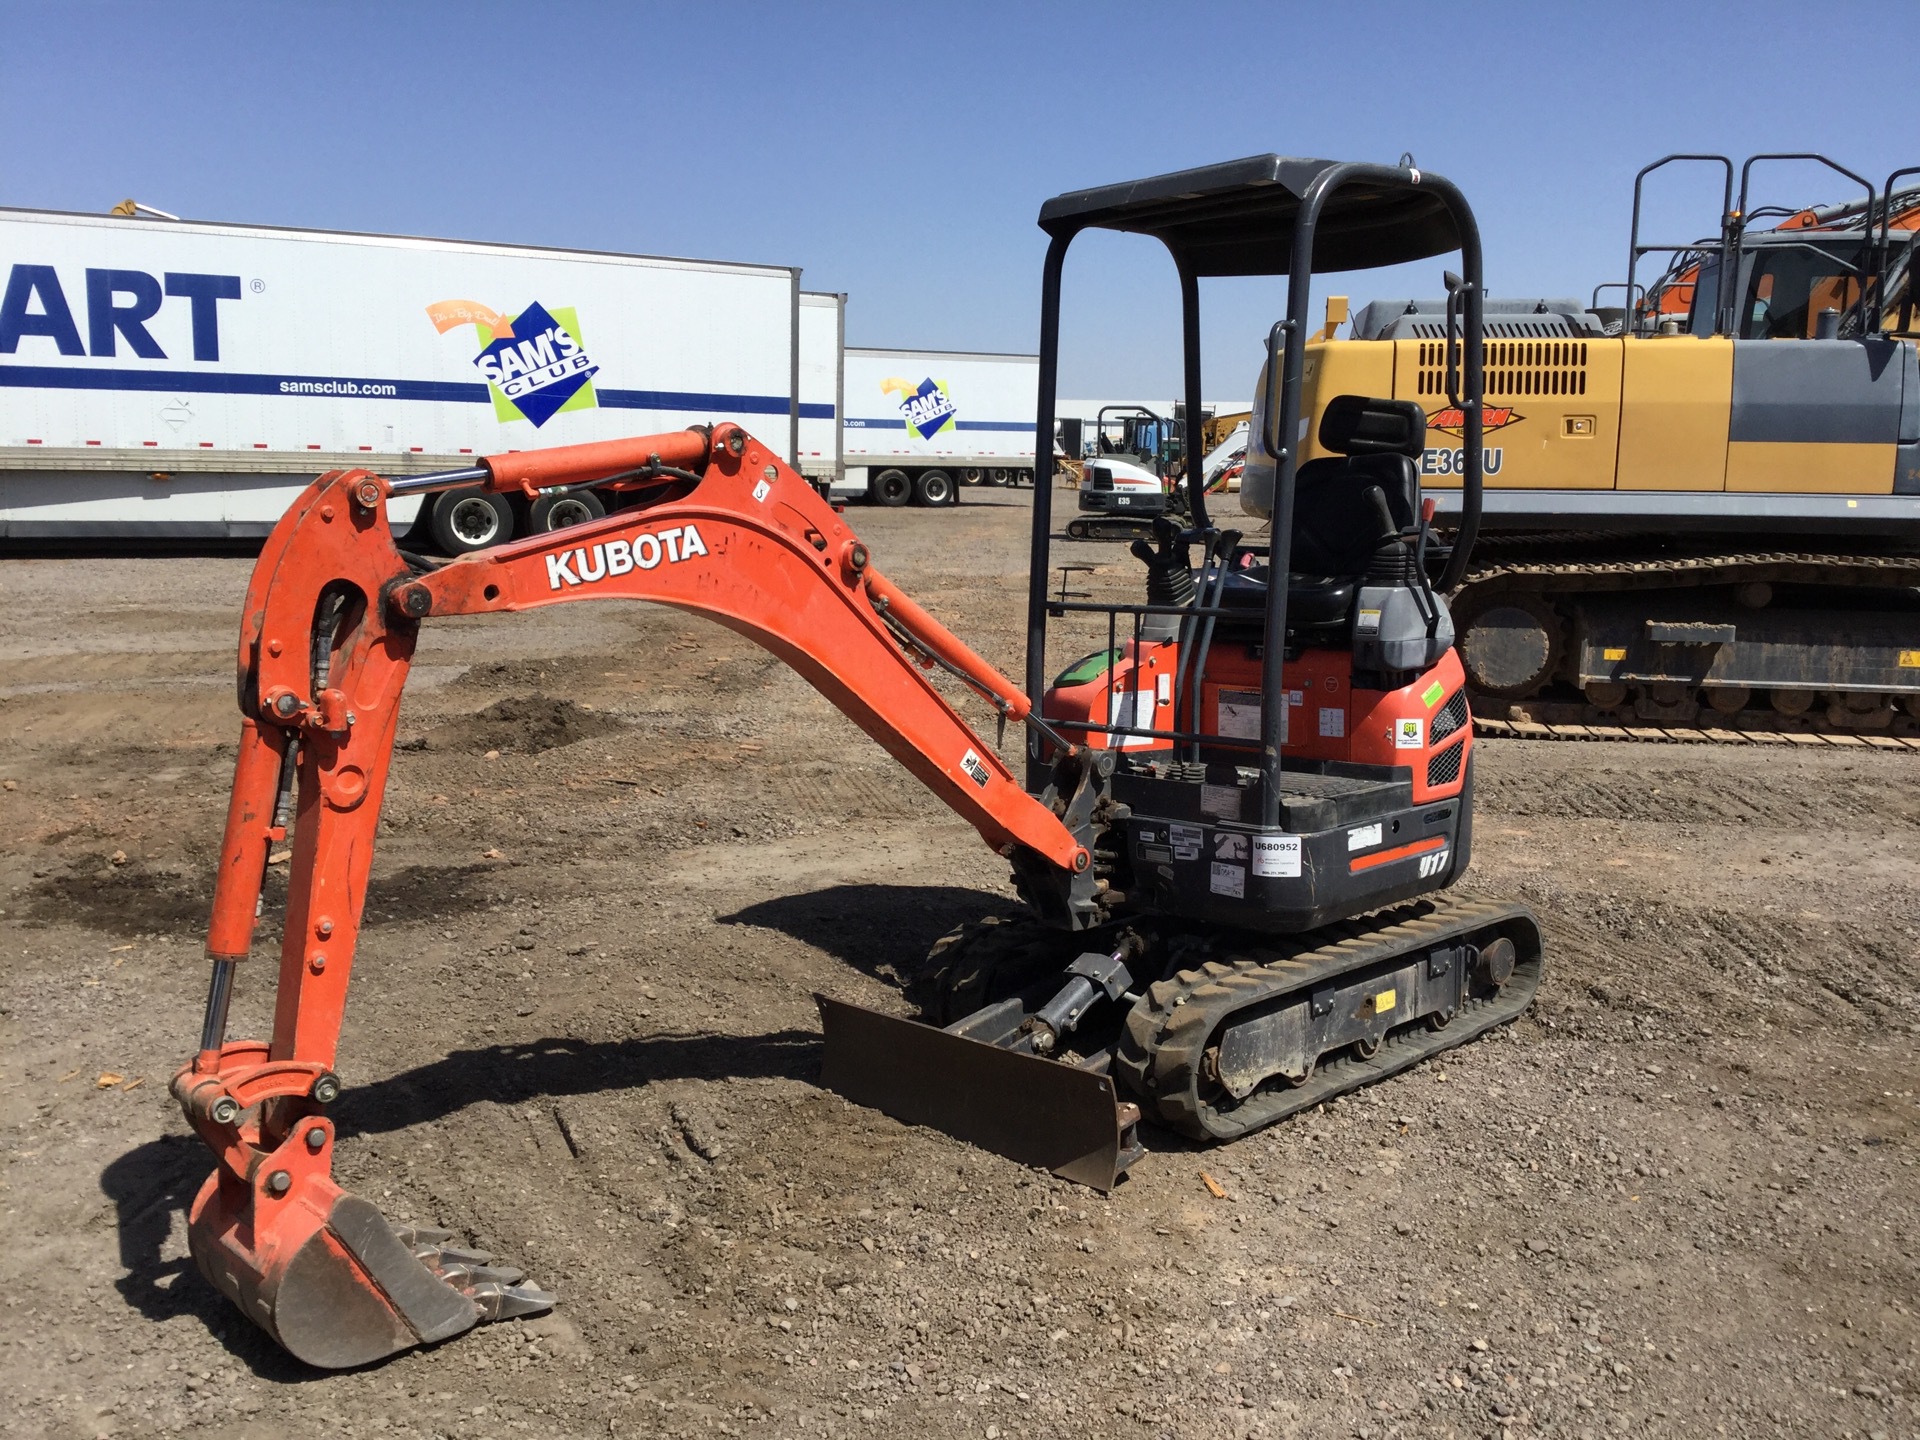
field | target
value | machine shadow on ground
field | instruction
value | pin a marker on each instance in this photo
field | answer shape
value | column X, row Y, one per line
column 153, row 1182
column 883, row 931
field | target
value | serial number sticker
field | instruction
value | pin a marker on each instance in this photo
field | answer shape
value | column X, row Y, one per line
column 1277, row 857
column 1433, row 693
column 1240, row 714
column 1229, row 880
column 1186, row 841
column 1131, row 710
column 1410, row 734
column 1614, row 652
column 1222, row 802
column 1363, row 836
column 1910, row 659
column 1333, row 722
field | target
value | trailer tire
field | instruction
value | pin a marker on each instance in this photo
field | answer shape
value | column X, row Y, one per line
column 557, row 512
column 1000, row 475
column 935, row 488
column 890, row 488
column 973, row 475
column 470, row 519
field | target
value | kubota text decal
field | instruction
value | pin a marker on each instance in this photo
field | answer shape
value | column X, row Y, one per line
column 588, row 563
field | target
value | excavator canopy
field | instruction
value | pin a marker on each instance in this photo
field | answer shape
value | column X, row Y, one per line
column 1237, row 217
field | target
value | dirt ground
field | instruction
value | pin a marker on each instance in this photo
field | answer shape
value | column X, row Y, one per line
column 621, row 848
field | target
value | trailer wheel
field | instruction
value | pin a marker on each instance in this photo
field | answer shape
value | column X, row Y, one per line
column 468, row 520
column 935, row 487
column 999, row 475
column 891, row 487
column 973, row 475
column 557, row 512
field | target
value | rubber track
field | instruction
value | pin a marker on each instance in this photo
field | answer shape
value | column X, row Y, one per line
column 1167, row 1034
column 1116, row 529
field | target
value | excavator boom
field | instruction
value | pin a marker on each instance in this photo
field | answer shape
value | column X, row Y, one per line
column 720, row 527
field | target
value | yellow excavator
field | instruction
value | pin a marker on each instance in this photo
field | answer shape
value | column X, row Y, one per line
column 1702, row 507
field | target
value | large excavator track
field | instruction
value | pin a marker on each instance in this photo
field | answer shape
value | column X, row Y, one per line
column 1546, row 576
column 1168, row 1052
column 1774, row 734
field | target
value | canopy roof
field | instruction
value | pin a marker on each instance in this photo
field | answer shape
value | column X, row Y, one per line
column 1237, row 218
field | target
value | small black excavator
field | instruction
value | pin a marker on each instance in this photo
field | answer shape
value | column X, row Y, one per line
column 1235, row 810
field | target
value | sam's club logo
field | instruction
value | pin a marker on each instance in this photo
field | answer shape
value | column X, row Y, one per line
column 928, row 407
column 535, row 362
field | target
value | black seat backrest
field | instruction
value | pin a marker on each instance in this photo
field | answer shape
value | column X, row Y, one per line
column 1376, row 442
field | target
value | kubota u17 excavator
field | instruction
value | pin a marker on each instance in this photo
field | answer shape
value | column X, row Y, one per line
column 1272, row 745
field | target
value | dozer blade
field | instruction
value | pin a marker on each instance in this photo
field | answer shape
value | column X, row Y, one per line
column 1044, row 1113
column 325, row 1274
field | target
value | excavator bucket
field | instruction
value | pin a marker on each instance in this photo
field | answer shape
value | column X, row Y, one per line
column 1046, row 1113
column 323, row 1272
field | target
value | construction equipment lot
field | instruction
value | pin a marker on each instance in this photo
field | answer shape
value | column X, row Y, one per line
column 622, row 847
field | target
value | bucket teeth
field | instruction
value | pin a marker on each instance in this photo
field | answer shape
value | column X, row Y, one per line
column 462, row 1277
column 438, row 1257
column 498, row 1292
column 414, row 1236
column 497, row 1301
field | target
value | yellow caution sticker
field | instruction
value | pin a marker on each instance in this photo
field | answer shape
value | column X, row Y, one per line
column 1910, row 659
column 1614, row 652
column 1385, row 1001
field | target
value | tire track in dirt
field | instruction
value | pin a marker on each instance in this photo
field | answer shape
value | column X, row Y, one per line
column 1706, row 969
column 1678, row 795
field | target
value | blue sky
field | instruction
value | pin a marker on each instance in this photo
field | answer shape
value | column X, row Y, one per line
column 901, row 152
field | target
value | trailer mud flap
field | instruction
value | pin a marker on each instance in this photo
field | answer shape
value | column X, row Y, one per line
column 1044, row 1113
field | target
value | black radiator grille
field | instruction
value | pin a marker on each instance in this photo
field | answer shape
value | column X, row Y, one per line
column 1444, row 768
column 1452, row 716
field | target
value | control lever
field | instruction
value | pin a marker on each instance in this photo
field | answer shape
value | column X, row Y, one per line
column 1377, row 499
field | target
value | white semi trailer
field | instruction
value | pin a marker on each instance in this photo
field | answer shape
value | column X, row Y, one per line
column 921, row 423
column 823, row 342
column 162, row 378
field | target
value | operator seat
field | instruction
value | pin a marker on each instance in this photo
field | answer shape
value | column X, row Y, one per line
column 1336, row 522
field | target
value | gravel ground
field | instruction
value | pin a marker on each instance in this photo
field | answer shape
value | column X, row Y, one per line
column 621, row 848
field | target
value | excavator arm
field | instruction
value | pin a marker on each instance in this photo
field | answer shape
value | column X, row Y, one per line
column 719, row 526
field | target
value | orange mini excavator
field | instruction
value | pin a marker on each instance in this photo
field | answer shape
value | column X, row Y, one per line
column 1269, row 746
